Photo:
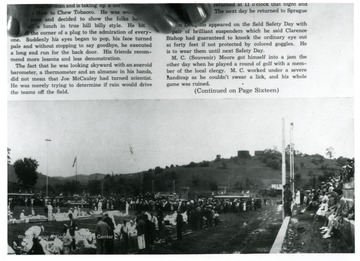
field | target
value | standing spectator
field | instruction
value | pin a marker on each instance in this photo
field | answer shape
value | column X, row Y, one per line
column 99, row 205
column 22, row 215
column 125, row 237
column 154, row 220
column 149, row 240
column 287, row 200
column 109, row 242
column 32, row 204
column 140, row 227
column 297, row 197
column 216, row 219
column 132, row 234
column 302, row 197
column 72, row 228
column 127, row 205
column 101, row 233
column 179, row 225
column 160, row 218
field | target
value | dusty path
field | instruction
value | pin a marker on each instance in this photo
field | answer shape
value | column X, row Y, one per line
column 251, row 232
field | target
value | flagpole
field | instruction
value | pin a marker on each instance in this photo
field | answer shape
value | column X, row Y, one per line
column 77, row 185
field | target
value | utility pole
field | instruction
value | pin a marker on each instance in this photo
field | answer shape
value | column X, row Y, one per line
column 283, row 164
column 47, row 168
column 292, row 160
column 102, row 187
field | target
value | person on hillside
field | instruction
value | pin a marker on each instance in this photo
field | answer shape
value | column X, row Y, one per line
column 323, row 208
column 297, row 197
column 342, row 210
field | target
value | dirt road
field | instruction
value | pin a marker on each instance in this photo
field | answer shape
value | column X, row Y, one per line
column 251, row 232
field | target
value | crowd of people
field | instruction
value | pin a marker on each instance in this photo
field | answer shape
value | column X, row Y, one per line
column 156, row 220
column 327, row 201
column 161, row 220
column 329, row 204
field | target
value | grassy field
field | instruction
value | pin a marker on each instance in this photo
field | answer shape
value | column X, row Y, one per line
column 251, row 232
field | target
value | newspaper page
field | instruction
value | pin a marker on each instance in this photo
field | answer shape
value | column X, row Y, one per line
column 235, row 135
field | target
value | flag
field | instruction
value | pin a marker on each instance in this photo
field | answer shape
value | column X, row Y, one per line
column 74, row 162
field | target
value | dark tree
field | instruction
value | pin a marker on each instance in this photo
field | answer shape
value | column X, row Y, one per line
column 297, row 178
column 191, row 165
column 342, row 161
column 72, row 187
column 213, row 186
column 248, row 184
column 238, row 185
column 94, row 187
column 158, row 170
column 195, row 181
column 8, row 156
column 25, row 170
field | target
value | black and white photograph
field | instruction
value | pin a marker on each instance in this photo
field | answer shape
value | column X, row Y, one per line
column 161, row 130
column 181, row 177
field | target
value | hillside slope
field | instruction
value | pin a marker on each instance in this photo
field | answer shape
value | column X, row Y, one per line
column 252, row 173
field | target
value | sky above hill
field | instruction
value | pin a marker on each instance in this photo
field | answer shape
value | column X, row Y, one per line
column 128, row 136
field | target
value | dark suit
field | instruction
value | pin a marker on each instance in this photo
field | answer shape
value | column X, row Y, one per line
column 287, row 201
column 72, row 228
column 109, row 243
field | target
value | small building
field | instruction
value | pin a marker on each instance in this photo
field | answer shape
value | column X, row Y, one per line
column 244, row 154
column 259, row 153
